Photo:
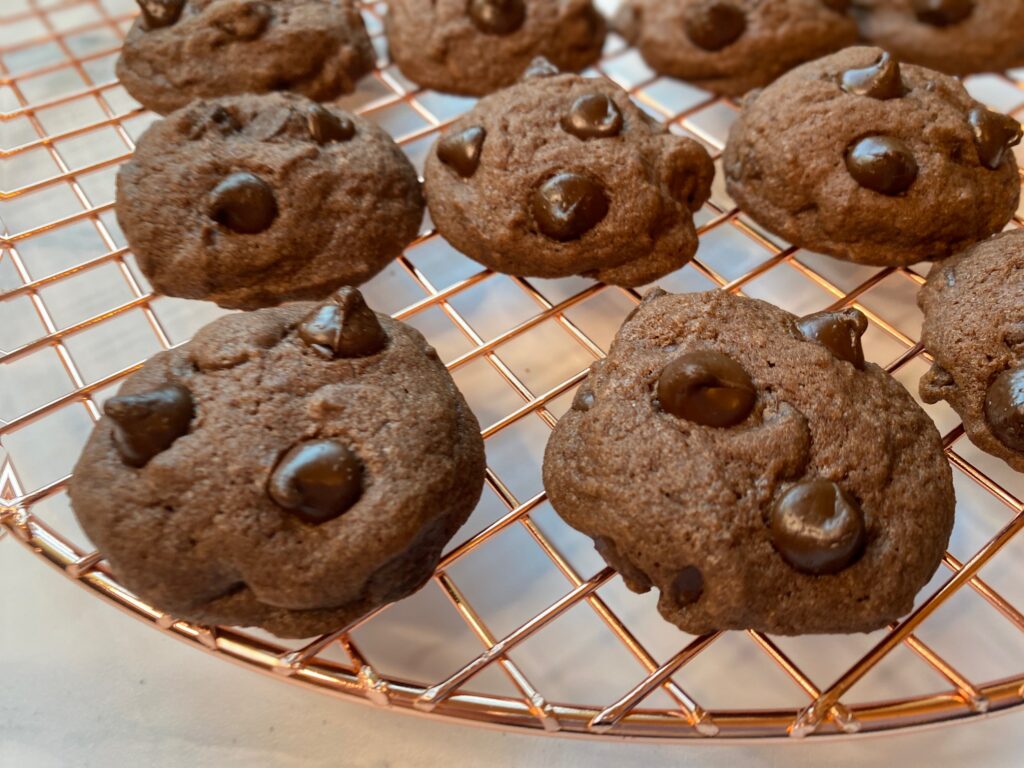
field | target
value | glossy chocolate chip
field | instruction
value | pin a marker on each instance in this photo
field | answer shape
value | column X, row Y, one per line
column 568, row 205
column 461, row 151
column 160, row 13
column 497, row 17
column 317, row 481
column 540, row 67
column 817, row 528
column 943, row 13
column 1004, row 408
column 688, row 585
column 881, row 80
column 584, row 399
column 714, row 24
column 344, row 327
column 839, row 332
column 882, row 164
column 147, row 423
column 707, row 388
column 593, row 116
column 326, row 127
column 244, row 203
column 994, row 134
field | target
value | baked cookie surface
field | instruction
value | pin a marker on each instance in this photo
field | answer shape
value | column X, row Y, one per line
column 753, row 468
column 474, row 47
column 974, row 328
column 290, row 468
column 732, row 46
column 862, row 158
column 249, row 201
column 561, row 175
column 180, row 50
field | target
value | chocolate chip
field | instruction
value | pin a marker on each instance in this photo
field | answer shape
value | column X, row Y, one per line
column 160, row 13
column 497, row 17
column 147, row 423
column 540, row 67
column 568, row 205
column 839, row 6
column 317, row 481
column 245, row 22
column 817, row 528
column 839, row 332
column 594, row 116
column 882, row 164
column 244, row 203
column 943, row 13
column 326, row 127
column 345, row 327
column 688, row 585
column 584, row 399
column 707, row 388
column 881, row 80
column 1004, row 408
column 461, row 151
column 714, row 24
column 994, row 134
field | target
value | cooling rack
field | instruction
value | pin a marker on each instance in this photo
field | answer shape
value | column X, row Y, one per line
column 522, row 626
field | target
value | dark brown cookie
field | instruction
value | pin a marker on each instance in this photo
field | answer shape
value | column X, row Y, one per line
column 974, row 329
column 561, row 175
column 754, row 469
column 954, row 36
column 474, row 47
column 859, row 157
column 249, row 201
column 290, row 468
column 180, row 50
column 732, row 46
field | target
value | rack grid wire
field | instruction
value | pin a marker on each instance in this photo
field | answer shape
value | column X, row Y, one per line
column 522, row 626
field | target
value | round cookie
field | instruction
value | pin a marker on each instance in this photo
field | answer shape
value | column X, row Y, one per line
column 474, row 47
column 291, row 468
column 732, row 46
column 861, row 158
column 561, row 175
column 180, row 50
column 974, row 330
column 753, row 468
column 249, row 201
column 954, row 36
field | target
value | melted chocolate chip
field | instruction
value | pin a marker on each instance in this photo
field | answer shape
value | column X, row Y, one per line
column 943, row 13
column 839, row 332
column 882, row 164
column 881, row 80
column 707, row 388
column 326, row 127
column 839, row 6
column 994, row 134
column 247, row 22
column 345, row 327
column 497, row 17
column 714, row 24
column 1004, row 408
column 594, row 116
column 568, row 205
column 147, row 423
column 317, row 481
column 688, row 585
column 540, row 67
column 817, row 528
column 461, row 151
column 584, row 400
column 160, row 13
column 244, row 203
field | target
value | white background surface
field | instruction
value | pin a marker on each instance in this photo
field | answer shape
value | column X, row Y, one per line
column 81, row 684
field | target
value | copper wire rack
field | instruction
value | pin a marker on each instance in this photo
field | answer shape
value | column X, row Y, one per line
column 522, row 626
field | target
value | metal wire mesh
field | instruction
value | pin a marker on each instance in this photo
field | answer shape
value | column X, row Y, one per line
column 522, row 625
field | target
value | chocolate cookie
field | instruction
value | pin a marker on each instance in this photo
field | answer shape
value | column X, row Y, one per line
column 290, row 468
column 249, row 201
column 180, row 50
column 561, row 175
column 732, row 46
column 859, row 157
column 753, row 468
column 974, row 329
column 474, row 47
column 954, row 36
